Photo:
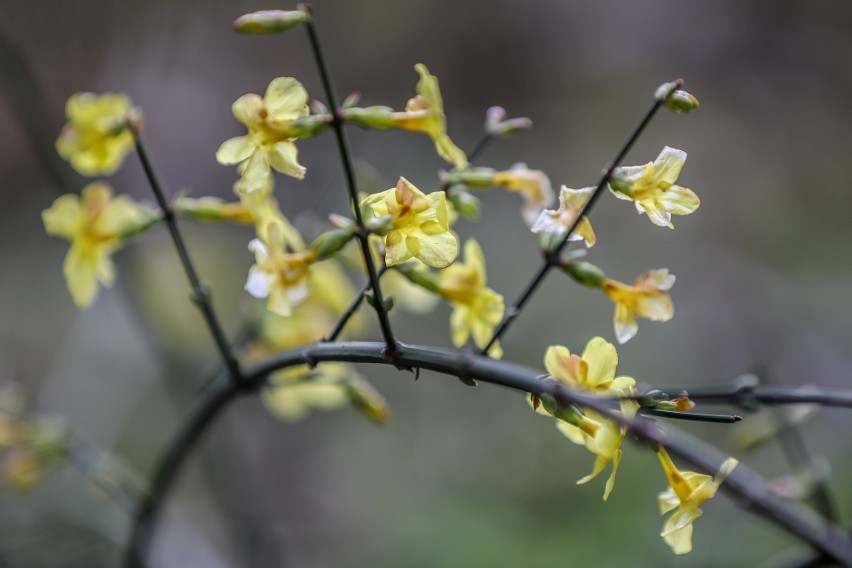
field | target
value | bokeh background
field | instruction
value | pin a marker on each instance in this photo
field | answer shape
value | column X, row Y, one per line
column 461, row 477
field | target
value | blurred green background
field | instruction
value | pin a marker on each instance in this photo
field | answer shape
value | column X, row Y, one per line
column 461, row 477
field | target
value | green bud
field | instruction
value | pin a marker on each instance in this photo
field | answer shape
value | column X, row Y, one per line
column 465, row 203
column 328, row 243
column 374, row 117
column 584, row 273
column 681, row 101
column 496, row 124
column 368, row 401
column 351, row 100
column 269, row 21
column 665, row 90
column 470, row 177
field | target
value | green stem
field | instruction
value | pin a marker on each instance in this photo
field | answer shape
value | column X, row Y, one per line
column 201, row 295
column 552, row 258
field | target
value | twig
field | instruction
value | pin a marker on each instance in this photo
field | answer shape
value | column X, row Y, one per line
column 201, row 295
column 207, row 408
column 352, row 188
column 552, row 258
column 743, row 482
column 692, row 416
column 353, row 307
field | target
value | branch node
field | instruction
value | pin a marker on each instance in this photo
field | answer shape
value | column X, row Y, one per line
column 200, row 296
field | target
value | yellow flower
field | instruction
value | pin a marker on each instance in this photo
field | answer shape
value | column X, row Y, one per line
column 277, row 275
column 594, row 372
column 420, row 227
column 269, row 142
column 652, row 188
column 95, row 140
column 423, row 113
column 477, row 309
column 558, row 222
column 96, row 224
column 687, row 492
column 647, row 298
column 533, row 185
column 294, row 392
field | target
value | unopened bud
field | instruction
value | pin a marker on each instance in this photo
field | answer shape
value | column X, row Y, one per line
column 340, row 221
column 465, row 203
column 269, row 21
column 681, row 101
column 470, row 177
column 368, row 401
column 326, row 244
column 351, row 100
column 584, row 273
column 497, row 125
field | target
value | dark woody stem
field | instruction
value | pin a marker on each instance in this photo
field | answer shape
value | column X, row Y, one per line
column 353, row 307
column 692, row 416
column 822, row 534
column 552, row 258
column 351, row 186
column 201, row 295
column 480, row 146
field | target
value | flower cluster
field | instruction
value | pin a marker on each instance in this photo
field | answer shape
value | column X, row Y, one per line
column 411, row 233
column 594, row 373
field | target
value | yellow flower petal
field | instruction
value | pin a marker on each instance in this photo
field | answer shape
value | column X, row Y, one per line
column 234, row 150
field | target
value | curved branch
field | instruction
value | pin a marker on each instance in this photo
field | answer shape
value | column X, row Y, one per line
column 750, row 486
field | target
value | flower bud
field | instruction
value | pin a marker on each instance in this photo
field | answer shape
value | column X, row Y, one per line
column 465, row 203
column 470, row 177
column 584, row 273
column 681, row 101
column 308, row 126
column 497, row 125
column 351, row 100
column 328, row 243
column 269, row 21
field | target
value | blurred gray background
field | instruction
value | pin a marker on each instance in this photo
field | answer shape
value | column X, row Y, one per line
column 461, row 477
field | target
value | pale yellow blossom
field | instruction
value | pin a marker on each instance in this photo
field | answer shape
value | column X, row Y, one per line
column 647, row 297
column 652, row 188
column 687, row 492
column 97, row 224
column 420, row 226
column 477, row 309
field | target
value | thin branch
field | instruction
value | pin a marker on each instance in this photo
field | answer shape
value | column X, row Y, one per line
column 480, row 146
column 552, row 258
column 692, row 416
column 751, row 487
column 205, row 411
column 749, row 396
column 201, row 295
column 353, row 307
column 352, row 188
